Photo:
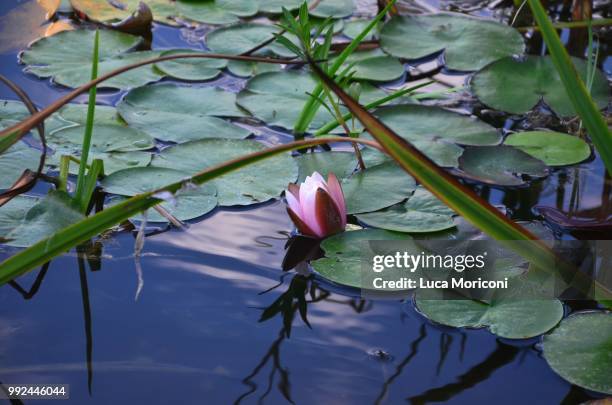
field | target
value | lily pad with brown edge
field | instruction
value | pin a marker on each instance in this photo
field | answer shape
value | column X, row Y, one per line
column 517, row 86
column 468, row 43
column 192, row 70
column 180, row 113
column 422, row 213
column 344, row 252
column 580, row 350
column 416, row 123
column 67, row 57
column 500, row 165
column 553, row 148
column 258, row 183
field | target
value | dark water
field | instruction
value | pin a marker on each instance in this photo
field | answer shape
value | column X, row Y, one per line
column 182, row 323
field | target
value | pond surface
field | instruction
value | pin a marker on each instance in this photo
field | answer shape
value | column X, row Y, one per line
column 182, row 323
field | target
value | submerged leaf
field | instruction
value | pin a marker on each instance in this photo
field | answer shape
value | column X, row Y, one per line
column 468, row 43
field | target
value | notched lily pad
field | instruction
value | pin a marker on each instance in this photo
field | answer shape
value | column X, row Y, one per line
column 500, row 165
column 517, row 86
column 511, row 319
column 195, row 70
column 469, row 43
column 240, row 38
column 553, row 148
column 579, row 350
column 423, row 212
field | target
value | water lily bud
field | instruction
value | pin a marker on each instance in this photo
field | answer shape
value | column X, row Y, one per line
column 317, row 207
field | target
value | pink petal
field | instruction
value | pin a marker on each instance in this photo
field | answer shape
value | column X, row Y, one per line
column 328, row 216
column 335, row 191
column 300, row 225
column 308, row 193
column 293, row 204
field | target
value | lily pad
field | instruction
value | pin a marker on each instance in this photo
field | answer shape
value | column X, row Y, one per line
column 423, row 212
column 276, row 6
column 500, row 165
column 191, row 69
column 105, row 138
column 114, row 11
column 355, row 27
column 113, row 161
column 216, row 11
column 579, row 350
column 190, row 203
column 240, row 38
column 66, row 57
column 377, row 187
column 258, row 183
column 15, row 160
column 512, row 319
column 374, row 65
column 468, row 43
column 553, row 148
column 179, row 114
column 76, row 114
column 11, row 113
column 248, row 69
column 343, row 254
column 342, row 164
column 419, row 122
column 442, row 153
column 13, row 213
column 49, row 215
column 333, row 8
column 517, row 86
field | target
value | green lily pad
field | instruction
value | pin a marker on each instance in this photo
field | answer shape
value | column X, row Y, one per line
column 13, row 213
column 423, row 212
column 553, row 148
column 248, row 69
column 333, row 8
column 189, row 203
column 277, row 98
column 419, row 122
column 179, row 114
column 517, row 86
column 579, row 350
column 194, row 70
column 374, row 65
column 512, row 319
column 114, row 11
column 355, row 27
column 501, row 165
column 240, row 38
column 66, row 57
column 105, row 138
column 442, row 153
column 343, row 253
column 377, row 187
column 276, row 6
column 468, row 43
column 15, row 160
column 49, row 215
column 216, row 11
column 258, row 183
column 76, row 114
column 11, row 113
column 342, row 164
column 113, row 161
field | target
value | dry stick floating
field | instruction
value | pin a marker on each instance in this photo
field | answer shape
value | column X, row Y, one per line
column 70, row 236
column 461, row 198
column 12, row 134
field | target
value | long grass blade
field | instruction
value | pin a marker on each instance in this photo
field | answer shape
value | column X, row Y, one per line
column 457, row 196
column 71, row 236
column 575, row 88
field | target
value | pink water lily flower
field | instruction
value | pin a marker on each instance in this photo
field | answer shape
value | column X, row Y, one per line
column 317, row 207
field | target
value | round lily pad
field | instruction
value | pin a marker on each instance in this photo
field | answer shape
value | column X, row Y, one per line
column 342, row 164
column 67, row 56
column 240, row 38
column 512, row 319
column 442, row 153
column 216, row 11
column 114, row 11
column 377, row 187
column 342, row 263
column 423, row 212
column 418, row 122
column 179, row 114
column 333, row 8
column 76, row 114
column 15, row 160
column 553, row 148
column 517, row 86
column 190, row 202
column 580, row 350
column 256, row 183
column 106, row 138
column 191, row 69
column 500, row 165
column 248, row 69
column 14, row 212
column 113, row 161
column 374, row 65
column 355, row 27
column 11, row 113
column 468, row 43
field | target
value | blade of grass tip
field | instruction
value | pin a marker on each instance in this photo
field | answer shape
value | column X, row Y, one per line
column 575, row 88
column 65, row 239
column 333, row 124
column 312, row 106
column 460, row 198
column 91, row 107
